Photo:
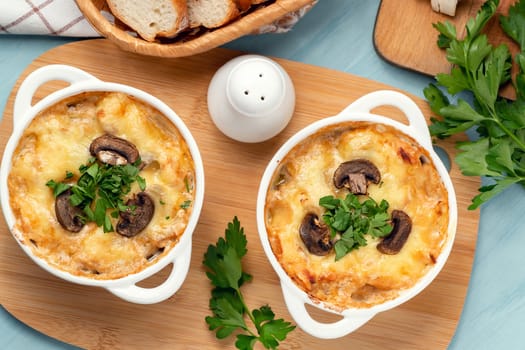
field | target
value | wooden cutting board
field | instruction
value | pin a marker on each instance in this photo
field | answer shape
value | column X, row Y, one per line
column 93, row 318
column 404, row 35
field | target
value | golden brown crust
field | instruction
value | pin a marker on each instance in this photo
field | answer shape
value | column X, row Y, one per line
column 243, row 5
column 70, row 126
column 182, row 22
column 410, row 182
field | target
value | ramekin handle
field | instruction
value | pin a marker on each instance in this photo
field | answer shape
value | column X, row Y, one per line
column 170, row 286
column 297, row 308
column 39, row 77
column 416, row 119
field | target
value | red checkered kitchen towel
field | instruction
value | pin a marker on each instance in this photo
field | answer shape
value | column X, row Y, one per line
column 43, row 17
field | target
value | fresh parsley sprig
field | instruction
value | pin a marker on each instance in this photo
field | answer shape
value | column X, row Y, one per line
column 514, row 26
column 353, row 219
column 481, row 69
column 227, row 304
column 100, row 190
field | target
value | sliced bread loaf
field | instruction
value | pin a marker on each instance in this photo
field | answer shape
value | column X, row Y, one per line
column 152, row 18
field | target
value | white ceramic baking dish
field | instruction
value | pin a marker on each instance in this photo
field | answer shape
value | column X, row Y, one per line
column 295, row 298
column 80, row 81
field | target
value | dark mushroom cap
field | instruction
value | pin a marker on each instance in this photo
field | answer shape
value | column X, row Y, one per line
column 393, row 243
column 68, row 215
column 132, row 222
column 315, row 235
column 113, row 150
column 355, row 175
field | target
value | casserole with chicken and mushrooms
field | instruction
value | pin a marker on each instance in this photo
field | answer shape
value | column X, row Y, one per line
column 376, row 167
column 101, row 185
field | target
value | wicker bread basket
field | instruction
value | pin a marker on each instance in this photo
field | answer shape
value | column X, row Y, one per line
column 96, row 12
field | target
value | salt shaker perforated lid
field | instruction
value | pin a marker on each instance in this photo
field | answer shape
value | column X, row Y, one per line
column 251, row 98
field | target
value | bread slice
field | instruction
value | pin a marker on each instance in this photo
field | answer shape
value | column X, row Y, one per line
column 447, row 7
column 211, row 13
column 152, row 18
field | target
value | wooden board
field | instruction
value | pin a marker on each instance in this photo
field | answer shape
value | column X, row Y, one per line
column 95, row 319
column 404, row 36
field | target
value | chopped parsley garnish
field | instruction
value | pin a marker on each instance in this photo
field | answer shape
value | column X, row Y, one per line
column 100, row 190
column 352, row 220
column 186, row 204
column 187, row 184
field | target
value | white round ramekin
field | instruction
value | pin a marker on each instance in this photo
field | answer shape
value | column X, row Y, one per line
column 295, row 298
column 80, row 81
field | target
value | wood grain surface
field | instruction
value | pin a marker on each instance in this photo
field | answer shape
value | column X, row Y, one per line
column 412, row 44
column 92, row 318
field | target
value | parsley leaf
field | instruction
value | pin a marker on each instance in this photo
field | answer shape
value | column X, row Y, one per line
column 514, row 26
column 353, row 219
column 480, row 70
column 245, row 341
column 223, row 261
column 228, row 311
column 58, row 187
column 186, row 204
column 271, row 331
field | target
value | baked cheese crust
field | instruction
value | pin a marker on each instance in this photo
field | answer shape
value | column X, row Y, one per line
column 57, row 140
column 410, row 182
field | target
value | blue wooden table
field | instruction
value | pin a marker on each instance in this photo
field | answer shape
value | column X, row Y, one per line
column 338, row 34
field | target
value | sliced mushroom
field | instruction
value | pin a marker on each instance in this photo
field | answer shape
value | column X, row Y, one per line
column 393, row 243
column 113, row 150
column 356, row 175
column 68, row 215
column 135, row 219
column 315, row 235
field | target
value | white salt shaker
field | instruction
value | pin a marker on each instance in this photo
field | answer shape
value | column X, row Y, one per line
column 251, row 98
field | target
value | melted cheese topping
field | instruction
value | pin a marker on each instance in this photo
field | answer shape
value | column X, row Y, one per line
column 57, row 140
column 409, row 182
